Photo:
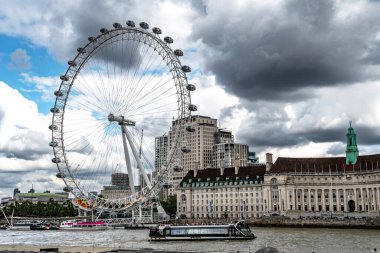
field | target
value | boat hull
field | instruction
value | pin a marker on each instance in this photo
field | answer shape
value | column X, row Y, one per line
column 154, row 239
column 19, row 228
column 85, row 229
column 237, row 231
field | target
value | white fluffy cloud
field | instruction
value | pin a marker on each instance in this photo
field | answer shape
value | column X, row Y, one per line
column 24, row 136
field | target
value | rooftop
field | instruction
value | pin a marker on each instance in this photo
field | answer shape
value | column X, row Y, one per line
column 365, row 163
column 211, row 174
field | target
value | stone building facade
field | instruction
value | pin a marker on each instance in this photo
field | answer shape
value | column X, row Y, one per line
column 334, row 187
column 222, row 193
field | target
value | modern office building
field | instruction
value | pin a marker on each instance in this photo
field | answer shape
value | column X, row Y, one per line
column 227, row 154
column 160, row 151
column 207, row 146
column 120, row 179
column 199, row 143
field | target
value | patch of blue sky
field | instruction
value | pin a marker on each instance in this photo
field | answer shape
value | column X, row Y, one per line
column 156, row 72
column 194, row 73
column 37, row 61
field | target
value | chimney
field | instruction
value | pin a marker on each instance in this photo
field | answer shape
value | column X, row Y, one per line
column 196, row 168
column 236, row 164
column 269, row 161
column 221, row 167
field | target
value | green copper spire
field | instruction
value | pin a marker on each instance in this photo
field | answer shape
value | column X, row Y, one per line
column 352, row 151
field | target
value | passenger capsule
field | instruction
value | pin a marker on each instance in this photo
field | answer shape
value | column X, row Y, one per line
column 178, row 52
column 64, row 78
column 144, row 25
column 72, row 63
column 168, row 40
column 117, row 25
column 190, row 128
column 131, row 23
column 190, row 87
column 56, row 160
column 103, row 30
column 177, row 168
column 193, row 108
column 67, row 189
column 60, row 175
column 185, row 149
column 54, row 110
column 186, row 68
column 58, row 93
column 156, row 30
column 91, row 39
column 53, row 127
column 81, row 50
column 53, row 144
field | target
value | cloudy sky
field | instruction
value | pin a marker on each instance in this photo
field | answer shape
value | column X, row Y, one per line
column 285, row 76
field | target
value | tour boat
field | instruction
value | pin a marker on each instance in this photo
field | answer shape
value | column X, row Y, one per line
column 83, row 225
column 22, row 225
column 237, row 231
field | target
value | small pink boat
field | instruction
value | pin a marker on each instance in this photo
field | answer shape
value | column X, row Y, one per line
column 83, row 225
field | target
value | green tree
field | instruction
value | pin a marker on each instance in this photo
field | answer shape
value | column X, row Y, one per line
column 170, row 206
column 40, row 209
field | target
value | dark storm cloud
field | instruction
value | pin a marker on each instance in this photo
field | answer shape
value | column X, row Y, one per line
column 9, row 180
column 261, row 135
column 280, row 55
column 200, row 6
column 90, row 18
column 336, row 149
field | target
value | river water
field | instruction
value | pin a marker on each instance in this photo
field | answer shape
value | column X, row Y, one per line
column 284, row 239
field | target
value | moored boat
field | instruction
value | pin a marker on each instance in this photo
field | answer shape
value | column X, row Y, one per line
column 84, row 225
column 237, row 231
column 23, row 225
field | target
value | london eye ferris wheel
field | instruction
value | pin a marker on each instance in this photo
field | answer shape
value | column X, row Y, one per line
column 124, row 81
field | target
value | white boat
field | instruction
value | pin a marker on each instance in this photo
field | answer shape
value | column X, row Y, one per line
column 237, row 231
column 83, row 225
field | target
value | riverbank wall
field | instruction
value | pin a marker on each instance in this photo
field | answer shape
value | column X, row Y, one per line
column 369, row 223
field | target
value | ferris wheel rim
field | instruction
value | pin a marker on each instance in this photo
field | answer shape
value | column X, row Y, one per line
column 75, row 66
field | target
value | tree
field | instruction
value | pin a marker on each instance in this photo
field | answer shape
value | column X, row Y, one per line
column 170, row 206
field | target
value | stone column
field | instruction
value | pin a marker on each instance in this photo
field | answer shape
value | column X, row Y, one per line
column 356, row 193
column 337, row 198
column 345, row 200
column 362, row 199
column 309, row 200
column 287, row 200
column 316, row 200
column 323, row 200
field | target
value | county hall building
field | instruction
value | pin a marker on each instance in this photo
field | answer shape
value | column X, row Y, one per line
column 293, row 187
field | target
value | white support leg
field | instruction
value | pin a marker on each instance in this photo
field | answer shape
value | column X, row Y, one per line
column 136, row 155
column 128, row 161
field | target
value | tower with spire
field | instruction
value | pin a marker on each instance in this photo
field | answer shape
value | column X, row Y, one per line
column 352, row 151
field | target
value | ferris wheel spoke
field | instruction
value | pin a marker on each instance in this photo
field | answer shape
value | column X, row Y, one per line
column 150, row 93
column 154, row 99
column 143, row 75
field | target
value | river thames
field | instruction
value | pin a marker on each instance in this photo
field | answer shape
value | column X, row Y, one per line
column 284, row 239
